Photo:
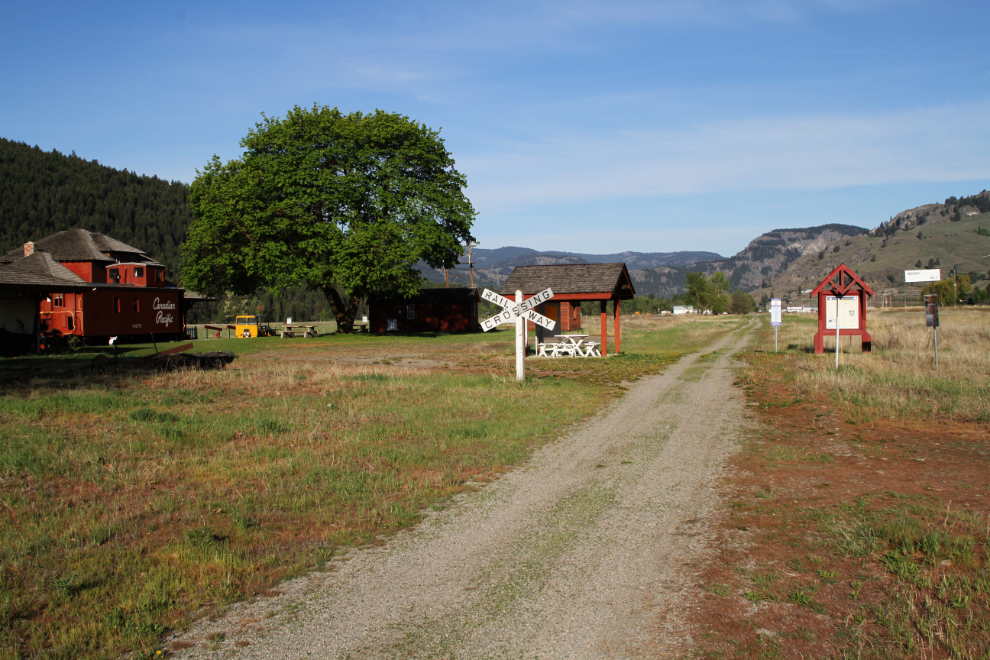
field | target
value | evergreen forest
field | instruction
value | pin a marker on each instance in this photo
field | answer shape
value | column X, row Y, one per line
column 44, row 192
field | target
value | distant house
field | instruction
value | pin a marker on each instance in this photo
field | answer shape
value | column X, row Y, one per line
column 432, row 310
column 683, row 309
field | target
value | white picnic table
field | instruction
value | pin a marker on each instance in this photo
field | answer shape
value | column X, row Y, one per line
column 291, row 330
column 571, row 345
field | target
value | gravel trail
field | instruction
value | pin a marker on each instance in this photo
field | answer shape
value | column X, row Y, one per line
column 580, row 554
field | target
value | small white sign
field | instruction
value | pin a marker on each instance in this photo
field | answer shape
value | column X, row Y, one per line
column 923, row 275
column 775, row 309
column 848, row 312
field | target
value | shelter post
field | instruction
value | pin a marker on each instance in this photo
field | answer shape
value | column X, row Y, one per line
column 615, row 313
column 604, row 308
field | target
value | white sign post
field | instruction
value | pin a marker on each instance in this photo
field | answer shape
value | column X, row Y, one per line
column 841, row 313
column 519, row 311
column 775, row 305
column 520, row 340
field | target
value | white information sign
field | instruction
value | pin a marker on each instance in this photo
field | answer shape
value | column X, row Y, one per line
column 848, row 312
column 775, row 309
column 923, row 275
column 513, row 311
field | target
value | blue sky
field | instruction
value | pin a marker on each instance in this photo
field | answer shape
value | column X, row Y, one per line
column 590, row 127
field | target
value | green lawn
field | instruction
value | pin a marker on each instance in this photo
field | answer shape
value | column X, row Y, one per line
column 130, row 502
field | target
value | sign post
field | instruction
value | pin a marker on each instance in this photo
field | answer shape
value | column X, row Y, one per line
column 519, row 311
column 520, row 341
column 775, row 305
column 931, row 320
column 837, row 332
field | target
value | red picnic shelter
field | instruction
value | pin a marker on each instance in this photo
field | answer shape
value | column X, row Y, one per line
column 573, row 284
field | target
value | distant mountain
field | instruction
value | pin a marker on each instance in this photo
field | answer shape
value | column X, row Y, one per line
column 954, row 234
column 492, row 267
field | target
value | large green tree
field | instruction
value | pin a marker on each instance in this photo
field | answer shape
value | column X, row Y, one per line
column 346, row 204
column 707, row 294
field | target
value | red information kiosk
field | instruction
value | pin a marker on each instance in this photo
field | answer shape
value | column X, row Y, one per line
column 842, row 299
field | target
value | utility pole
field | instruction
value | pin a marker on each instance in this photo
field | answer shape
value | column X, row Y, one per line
column 471, row 263
column 446, row 278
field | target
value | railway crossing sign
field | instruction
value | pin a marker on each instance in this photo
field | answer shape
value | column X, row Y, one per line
column 519, row 311
column 511, row 310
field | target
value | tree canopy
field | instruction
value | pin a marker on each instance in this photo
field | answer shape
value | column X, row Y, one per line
column 345, row 204
column 707, row 294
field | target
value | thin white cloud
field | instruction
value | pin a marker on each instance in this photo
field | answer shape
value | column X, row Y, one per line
column 946, row 143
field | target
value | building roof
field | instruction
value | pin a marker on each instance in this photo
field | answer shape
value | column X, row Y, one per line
column 80, row 245
column 841, row 281
column 40, row 270
column 607, row 280
column 426, row 296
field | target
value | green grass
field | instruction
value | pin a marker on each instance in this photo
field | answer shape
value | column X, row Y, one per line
column 129, row 503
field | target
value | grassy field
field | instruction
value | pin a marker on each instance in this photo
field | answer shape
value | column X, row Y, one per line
column 857, row 521
column 131, row 503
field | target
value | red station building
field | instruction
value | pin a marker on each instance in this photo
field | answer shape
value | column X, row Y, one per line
column 432, row 310
column 100, row 288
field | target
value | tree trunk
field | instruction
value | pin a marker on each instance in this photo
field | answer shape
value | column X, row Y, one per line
column 343, row 313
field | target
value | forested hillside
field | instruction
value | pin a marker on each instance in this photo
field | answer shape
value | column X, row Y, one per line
column 42, row 193
column 46, row 192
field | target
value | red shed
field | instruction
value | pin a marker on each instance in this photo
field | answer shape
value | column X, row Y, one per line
column 433, row 310
column 842, row 299
column 573, row 284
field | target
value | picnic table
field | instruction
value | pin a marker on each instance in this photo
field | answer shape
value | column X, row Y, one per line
column 296, row 329
column 571, row 346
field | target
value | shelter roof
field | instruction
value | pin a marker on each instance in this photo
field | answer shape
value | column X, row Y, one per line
column 841, row 281
column 426, row 296
column 79, row 245
column 608, row 280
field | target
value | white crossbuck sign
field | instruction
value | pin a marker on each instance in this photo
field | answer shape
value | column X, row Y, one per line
column 512, row 311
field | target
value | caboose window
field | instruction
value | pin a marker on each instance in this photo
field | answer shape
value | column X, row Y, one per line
column 139, row 272
column 137, row 305
column 410, row 311
column 116, row 304
column 115, row 276
column 57, row 300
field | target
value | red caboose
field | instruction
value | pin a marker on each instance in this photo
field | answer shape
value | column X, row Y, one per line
column 108, row 288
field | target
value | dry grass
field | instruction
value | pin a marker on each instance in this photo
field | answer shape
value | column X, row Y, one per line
column 898, row 379
column 857, row 523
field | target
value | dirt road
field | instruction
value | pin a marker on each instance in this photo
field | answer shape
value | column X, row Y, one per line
column 580, row 554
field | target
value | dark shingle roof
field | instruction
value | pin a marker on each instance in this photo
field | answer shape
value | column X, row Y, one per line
column 455, row 295
column 40, row 269
column 571, row 278
column 79, row 245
